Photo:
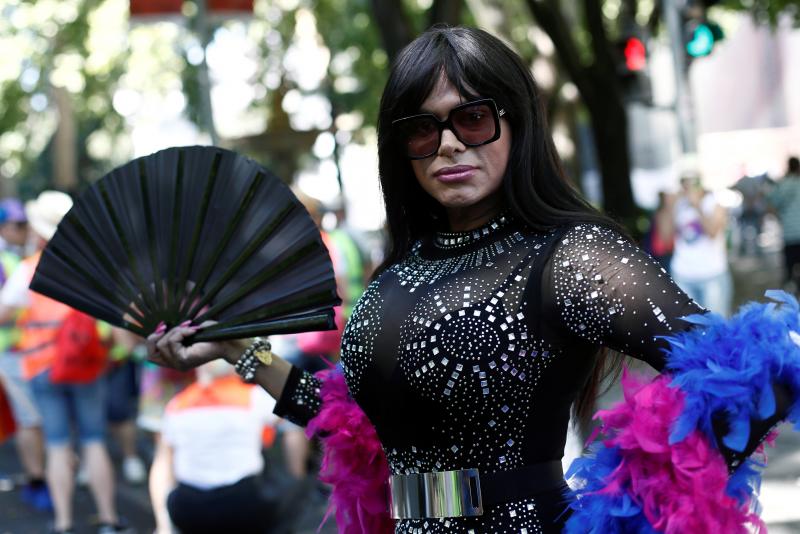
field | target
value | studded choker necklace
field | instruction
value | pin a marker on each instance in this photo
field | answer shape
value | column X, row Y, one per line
column 451, row 240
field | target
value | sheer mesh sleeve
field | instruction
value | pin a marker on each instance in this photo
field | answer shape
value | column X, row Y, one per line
column 604, row 289
column 300, row 400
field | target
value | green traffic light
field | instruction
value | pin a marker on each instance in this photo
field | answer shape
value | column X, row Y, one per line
column 702, row 41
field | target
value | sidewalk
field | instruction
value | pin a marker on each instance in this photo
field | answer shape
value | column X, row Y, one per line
column 18, row 518
column 133, row 503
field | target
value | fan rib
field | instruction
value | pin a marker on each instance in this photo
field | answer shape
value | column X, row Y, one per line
column 276, row 311
column 317, row 321
column 101, row 257
column 256, row 281
column 201, row 215
column 150, row 232
column 112, row 296
column 245, row 202
column 246, row 254
column 143, row 289
column 172, row 294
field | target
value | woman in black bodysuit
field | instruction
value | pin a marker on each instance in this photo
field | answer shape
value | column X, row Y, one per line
column 501, row 285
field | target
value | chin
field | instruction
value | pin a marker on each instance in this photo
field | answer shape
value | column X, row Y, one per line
column 456, row 203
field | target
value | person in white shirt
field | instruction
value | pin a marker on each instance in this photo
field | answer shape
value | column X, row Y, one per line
column 700, row 259
column 210, row 454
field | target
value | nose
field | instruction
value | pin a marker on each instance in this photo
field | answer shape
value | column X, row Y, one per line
column 450, row 143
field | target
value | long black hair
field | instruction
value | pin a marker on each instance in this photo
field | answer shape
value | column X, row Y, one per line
column 535, row 186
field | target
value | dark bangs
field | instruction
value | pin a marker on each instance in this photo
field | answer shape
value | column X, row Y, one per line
column 420, row 65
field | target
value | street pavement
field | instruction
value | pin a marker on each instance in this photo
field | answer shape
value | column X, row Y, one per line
column 306, row 508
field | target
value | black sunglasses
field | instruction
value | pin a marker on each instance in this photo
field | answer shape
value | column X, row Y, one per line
column 474, row 124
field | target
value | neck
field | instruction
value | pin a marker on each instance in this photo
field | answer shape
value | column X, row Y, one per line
column 471, row 217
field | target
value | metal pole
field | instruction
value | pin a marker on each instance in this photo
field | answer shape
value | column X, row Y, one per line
column 206, row 111
column 683, row 94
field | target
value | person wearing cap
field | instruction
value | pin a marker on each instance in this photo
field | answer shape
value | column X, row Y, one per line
column 699, row 262
column 28, row 436
column 59, row 404
column 13, row 229
column 13, row 239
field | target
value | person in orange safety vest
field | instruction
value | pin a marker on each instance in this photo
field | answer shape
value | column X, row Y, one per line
column 61, row 405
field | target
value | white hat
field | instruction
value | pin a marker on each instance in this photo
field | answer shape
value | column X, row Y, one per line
column 46, row 212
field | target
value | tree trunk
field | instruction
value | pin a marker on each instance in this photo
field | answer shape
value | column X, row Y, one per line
column 393, row 25
column 600, row 92
column 446, row 11
column 610, row 131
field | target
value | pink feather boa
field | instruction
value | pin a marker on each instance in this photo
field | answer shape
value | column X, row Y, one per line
column 353, row 461
column 681, row 488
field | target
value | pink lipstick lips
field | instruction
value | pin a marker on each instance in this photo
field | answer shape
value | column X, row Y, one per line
column 457, row 173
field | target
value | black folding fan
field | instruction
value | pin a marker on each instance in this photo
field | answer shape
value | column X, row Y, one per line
column 192, row 233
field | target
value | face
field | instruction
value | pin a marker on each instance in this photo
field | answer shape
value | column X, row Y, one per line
column 15, row 233
column 465, row 180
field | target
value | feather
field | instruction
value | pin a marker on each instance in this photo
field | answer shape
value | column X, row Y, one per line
column 353, row 461
column 730, row 366
column 637, row 481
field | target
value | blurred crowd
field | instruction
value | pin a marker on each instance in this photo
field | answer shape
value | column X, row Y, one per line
column 692, row 233
column 72, row 388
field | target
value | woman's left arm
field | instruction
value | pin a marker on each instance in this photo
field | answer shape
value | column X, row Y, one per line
column 675, row 445
column 602, row 288
column 607, row 291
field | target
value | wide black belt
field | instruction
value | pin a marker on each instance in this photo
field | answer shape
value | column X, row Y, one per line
column 466, row 492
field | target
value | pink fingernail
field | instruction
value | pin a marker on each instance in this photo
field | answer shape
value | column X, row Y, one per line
column 161, row 328
column 186, row 323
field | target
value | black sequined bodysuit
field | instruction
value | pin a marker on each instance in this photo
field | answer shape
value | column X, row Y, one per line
column 470, row 352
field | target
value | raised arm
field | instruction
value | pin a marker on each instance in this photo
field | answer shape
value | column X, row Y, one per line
column 604, row 289
column 726, row 384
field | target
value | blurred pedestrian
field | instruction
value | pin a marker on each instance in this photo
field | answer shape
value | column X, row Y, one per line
column 158, row 385
column 660, row 241
column 13, row 228
column 122, row 401
column 60, row 404
column 210, row 459
column 28, row 437
column 754, row 207
column 785, row 200
column 315, row 351
column 700, row 259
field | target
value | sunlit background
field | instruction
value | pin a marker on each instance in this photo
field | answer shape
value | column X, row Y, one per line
column 87, row 85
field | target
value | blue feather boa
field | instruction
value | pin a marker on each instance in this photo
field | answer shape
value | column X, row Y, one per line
column 729, row 366
column 721, row 367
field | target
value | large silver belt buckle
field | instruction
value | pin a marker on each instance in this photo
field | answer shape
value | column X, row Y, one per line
column 439, row 494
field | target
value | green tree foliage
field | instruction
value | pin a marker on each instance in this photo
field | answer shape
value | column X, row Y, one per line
column 766, row 10
column 50, row 44
column 359, row 65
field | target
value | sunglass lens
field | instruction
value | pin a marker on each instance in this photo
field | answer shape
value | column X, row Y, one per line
column 421, row 135
column 475, row 125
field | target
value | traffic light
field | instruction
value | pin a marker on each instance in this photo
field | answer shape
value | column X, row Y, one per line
column 635, row 54
column 632, row 68
column 700, row 34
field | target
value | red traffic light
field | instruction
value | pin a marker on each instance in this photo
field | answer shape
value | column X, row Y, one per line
column 635, row 54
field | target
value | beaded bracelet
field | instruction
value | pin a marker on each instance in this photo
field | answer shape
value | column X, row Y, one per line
column 258, row 353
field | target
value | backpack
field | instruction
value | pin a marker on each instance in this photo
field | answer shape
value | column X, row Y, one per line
column 80, row 354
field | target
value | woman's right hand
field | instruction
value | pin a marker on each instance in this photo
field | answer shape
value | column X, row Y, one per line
column 166, row 348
